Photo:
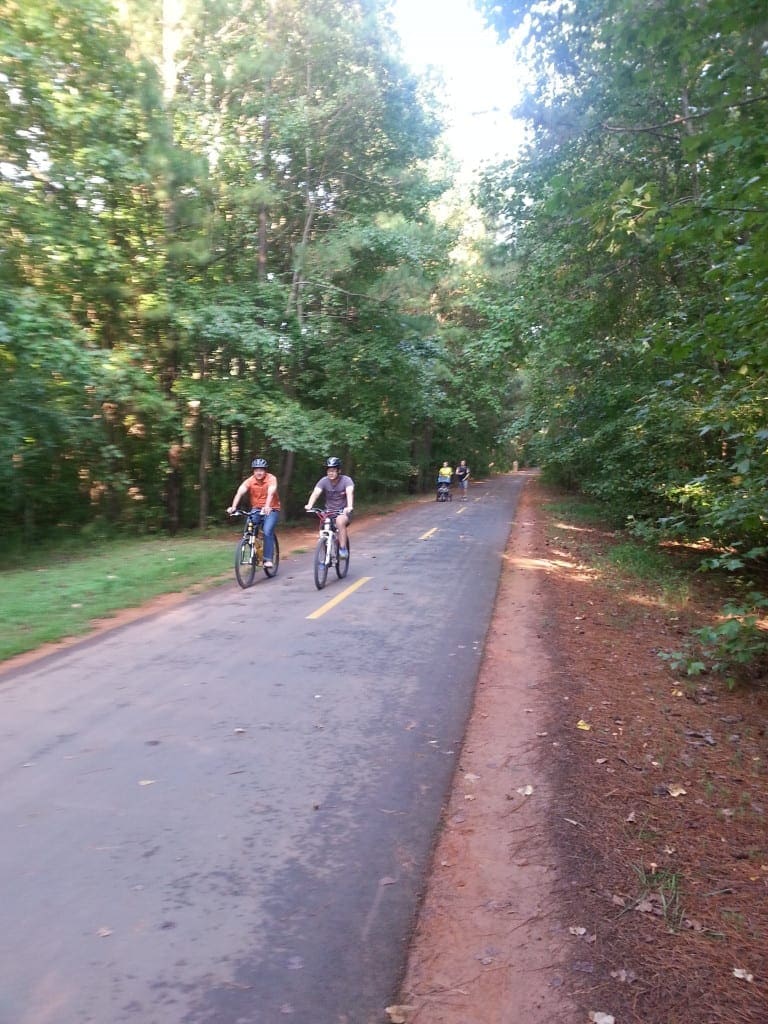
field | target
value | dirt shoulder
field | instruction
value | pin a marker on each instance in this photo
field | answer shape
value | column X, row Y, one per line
column 604, row 853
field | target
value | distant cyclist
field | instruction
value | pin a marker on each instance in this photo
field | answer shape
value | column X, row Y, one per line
column 338, row 493
column 462, row 475
column 261, row 488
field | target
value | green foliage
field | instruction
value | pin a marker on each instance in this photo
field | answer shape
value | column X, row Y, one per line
column 220, row 241
column 637, row 281
column 735, row 643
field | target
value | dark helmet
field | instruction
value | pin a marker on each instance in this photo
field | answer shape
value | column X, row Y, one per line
column 333, row 463
column 259, row 464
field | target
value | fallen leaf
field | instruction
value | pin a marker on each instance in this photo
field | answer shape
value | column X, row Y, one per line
column 525, row 790
column 104, row 932
column 742, row 975
column 624, row 975
column 676, row 790
column 398, row 1014
column 471, row 777
column 572, row 822
column 238, row 731
column 469, row 796
column 602, row 1018
column 147, row 782
column 632, row 816
column 601, row 760
column 577, row 930
column 581, row 724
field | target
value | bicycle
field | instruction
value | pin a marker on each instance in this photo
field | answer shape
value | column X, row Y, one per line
column 327, row 548
column 249, row 553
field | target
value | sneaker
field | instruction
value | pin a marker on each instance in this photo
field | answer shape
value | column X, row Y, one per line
column 268, row 564
column 343, row 553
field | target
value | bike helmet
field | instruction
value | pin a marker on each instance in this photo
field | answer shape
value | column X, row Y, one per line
column 259, row 464
column 333, row 463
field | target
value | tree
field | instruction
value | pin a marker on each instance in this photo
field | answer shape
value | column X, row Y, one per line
column 631, row 226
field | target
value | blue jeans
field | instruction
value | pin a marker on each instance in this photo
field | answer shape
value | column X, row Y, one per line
column 268, row 524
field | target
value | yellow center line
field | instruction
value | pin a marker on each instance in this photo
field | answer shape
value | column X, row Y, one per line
column 429, row 533
column 339, row 597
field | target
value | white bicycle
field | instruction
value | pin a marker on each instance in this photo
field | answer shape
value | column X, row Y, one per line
column 327, row 548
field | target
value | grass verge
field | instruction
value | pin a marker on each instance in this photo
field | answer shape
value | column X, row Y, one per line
column 59, row 595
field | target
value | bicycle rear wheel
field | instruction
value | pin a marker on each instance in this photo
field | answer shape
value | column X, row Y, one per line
column 342, row 564
column 275, row 559
column 321, row 568
column 245, row 563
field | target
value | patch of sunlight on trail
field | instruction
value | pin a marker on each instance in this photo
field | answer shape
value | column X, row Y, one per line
column 564, row 567
column 572, row 528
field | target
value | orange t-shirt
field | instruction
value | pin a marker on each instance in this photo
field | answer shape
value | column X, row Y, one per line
column 257, row 491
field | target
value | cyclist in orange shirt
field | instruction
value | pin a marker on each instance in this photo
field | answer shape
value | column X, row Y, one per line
column 261, row 488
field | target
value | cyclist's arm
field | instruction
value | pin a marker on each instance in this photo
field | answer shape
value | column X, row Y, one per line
column 271, row 492
column 350, row 489
column 238, row 495
column 313, row 498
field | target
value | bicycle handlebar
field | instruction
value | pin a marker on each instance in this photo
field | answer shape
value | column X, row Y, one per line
column 323, row 515
column 239, row 512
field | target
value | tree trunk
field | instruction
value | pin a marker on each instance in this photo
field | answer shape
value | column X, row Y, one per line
column 286, row 476
column 203, row 472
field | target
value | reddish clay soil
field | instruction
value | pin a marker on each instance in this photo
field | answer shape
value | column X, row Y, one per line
column 604, row 855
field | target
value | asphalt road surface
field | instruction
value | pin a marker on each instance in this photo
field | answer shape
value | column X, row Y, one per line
column 223, row 814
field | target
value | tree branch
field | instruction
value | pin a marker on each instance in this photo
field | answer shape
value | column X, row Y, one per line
column 679, row 119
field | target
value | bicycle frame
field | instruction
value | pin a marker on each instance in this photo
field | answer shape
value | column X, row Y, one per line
column 252, row 527
column 327, row 548
column 328, row 534
column 249, row 554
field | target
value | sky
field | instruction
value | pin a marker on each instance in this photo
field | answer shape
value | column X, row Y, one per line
column 482, row 78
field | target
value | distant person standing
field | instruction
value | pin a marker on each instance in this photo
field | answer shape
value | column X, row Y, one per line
column 462, row 475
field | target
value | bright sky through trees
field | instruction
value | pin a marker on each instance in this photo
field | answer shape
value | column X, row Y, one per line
column 483, row 79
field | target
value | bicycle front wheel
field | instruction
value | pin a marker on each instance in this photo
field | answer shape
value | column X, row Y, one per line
column 275, row 558
column 245, row 563
column 321, row 566
column 342, row 564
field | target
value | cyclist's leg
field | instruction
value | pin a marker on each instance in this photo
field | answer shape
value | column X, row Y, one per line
column 342, row 521
column 268, row 530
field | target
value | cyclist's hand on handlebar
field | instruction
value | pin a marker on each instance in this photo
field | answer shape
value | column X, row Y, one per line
column 231, row 510
column 309, row 508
